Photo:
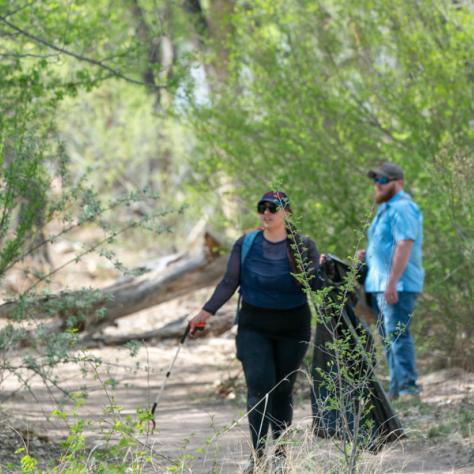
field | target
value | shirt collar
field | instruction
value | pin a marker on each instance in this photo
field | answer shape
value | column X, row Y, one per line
column 401, row 194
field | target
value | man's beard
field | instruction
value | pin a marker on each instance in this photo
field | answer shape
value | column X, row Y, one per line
column 385, row 195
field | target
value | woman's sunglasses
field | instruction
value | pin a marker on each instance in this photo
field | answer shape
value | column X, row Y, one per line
column 271, row 206
column 382, row 179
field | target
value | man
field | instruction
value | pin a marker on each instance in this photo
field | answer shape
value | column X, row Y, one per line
column 395, row 274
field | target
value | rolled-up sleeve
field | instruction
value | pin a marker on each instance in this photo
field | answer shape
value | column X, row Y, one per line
column 405, row 223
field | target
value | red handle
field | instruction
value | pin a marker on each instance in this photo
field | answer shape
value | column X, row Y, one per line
column 198, row 327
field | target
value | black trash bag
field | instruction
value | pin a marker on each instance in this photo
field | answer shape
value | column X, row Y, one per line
column 347, row 399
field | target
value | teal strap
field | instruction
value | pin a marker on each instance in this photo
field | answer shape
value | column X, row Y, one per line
column 244, row 251
column 247, row 245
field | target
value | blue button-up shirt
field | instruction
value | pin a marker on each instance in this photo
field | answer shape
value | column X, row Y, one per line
column 397, row 219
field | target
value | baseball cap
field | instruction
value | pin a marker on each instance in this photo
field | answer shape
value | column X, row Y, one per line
column 390, row 170
column 278, row 197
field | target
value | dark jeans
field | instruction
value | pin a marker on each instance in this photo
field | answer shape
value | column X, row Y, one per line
column 270, row 366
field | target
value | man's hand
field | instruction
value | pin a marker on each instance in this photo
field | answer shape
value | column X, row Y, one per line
column 391, row 294
column 399, row 263
column 198, row 322
column 361, row 255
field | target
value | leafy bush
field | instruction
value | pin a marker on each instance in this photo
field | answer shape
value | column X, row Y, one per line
column 319, row 92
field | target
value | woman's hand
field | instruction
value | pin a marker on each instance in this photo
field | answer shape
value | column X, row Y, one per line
column 198, row 322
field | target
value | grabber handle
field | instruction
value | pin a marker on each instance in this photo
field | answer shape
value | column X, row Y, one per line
column 199, row 327
column 185, row 334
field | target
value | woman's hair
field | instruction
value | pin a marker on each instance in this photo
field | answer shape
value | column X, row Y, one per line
column 295, row 247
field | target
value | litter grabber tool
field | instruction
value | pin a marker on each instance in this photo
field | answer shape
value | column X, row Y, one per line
column 199, row 327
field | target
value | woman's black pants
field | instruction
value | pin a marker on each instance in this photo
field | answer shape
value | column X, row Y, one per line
column 270, row 367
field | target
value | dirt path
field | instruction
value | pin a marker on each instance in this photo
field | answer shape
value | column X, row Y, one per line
column 202, row 429
column 189, row 415
column 198, row 422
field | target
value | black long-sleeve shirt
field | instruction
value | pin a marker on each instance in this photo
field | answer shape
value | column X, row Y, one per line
column 273, row 253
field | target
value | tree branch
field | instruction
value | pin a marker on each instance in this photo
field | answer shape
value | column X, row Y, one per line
column 77, row 56
column 27, row 55
column 153, row 49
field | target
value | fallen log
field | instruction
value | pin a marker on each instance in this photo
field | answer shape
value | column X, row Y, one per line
column 173, row 330
column 92, row 309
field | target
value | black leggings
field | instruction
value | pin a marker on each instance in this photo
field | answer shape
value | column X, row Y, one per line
column 270, row 366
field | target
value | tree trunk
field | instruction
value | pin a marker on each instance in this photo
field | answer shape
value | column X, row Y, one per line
column 169, row 278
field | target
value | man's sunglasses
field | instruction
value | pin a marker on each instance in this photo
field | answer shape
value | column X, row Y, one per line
column 271, row 206
column 382, row 179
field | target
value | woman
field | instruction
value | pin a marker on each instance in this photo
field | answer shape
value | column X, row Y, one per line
column 274, row 320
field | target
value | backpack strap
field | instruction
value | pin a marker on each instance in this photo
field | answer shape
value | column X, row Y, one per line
column 247, row 243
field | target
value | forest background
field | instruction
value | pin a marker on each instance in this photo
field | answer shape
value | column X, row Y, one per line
column 170, row 112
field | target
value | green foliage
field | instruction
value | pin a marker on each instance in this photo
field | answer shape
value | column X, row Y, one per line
column 122, row 450
column 306, row 93
column 115, row 132
column 40, row 192
column 318, row 92
column 28, row 464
